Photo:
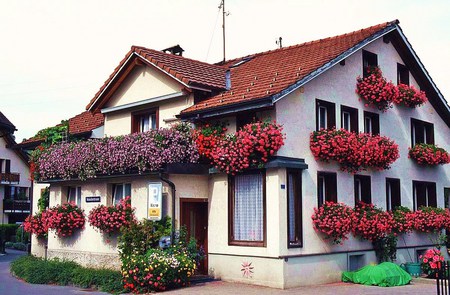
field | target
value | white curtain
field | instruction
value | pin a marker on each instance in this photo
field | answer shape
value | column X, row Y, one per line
column 248, row 210
column 118, row 193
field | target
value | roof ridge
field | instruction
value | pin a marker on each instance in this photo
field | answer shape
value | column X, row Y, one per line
column 382, row 25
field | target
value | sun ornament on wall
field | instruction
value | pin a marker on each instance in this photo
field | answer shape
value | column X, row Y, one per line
column 247, row 269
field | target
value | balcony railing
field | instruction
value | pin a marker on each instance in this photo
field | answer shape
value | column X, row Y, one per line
column 16, row 206
column 8, row 178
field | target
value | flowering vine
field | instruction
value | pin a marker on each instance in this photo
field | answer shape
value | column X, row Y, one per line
column 353, row 151
column 428, row 154
column 410, row 96
column 375, row 90
column 109, row 219
column 65, row 219
column 334, row 220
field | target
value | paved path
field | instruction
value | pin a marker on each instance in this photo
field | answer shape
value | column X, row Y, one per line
column 12, row 286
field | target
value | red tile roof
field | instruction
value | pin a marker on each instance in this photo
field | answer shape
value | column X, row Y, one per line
column 268, row 73
column 188, row 71
column 84, row 122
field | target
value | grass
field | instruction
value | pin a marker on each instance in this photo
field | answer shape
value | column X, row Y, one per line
column 36, row 270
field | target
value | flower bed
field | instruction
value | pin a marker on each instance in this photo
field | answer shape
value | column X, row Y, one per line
column 135, row 152
column 334, row 220
column 65, row 219
column 353, row 151
column 375, row 90
column 36, row 225
column 410, row 96
column 429, row 154
column 251, row 146
column 371, row 223
column 110, row 219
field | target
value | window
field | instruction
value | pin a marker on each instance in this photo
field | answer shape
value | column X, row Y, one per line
column 74, row 195
column 143, row 121
column 421, row 132
column 121, row 191
column 349, row 119
column 424, row 194
column 294, row 205
column 363, row 192
column 402, row 74
column 247, row 209
column 325, row 115
column 369, row 60
column 371, row 123
column 326, row 187
column 393, row 198
column 244, row 119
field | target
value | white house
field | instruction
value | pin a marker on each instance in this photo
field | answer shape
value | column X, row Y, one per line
column 303, row 87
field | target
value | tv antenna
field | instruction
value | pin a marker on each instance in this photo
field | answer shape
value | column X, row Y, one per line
column 279, row 42
column 224, row 14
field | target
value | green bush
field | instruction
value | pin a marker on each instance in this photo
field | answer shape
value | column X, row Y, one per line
column 20, row 246
column 61, row 272
column 6, row 231
column 9, row 245
column 22, row 236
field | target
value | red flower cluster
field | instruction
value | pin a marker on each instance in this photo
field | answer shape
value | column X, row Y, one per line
column 429, row 154
column 206, row 138
column 251, row 146
column 375, row 90
column 353, row 151
column 109, row 219
column 334, row 220
column 430, row 219
column 410, row 96
column 430, row 261
column 371, row 223
column 64, row 219
column 404, row 220
column 36, row 225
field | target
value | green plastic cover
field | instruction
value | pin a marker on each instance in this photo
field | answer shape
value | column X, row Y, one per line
column 386, row 274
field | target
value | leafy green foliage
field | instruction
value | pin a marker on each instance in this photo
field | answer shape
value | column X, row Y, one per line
column 386, row 248
column 6, row 232
column 22, row 236
column 39, row 271
column 43, row 201
column 55, row 134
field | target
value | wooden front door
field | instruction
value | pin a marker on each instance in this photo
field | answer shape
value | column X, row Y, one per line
column 194, row 215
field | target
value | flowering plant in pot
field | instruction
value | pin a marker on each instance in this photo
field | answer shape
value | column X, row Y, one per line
column 428, row 154
column 430, row 219
column 371, row 223
column 110, row 219
column 65, row 219
column 430, row 261
column 333, row 220
column 36, row 224
column 376, row 90
column 410, row 96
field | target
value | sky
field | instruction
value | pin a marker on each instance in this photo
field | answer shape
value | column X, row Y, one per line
column 55, row 55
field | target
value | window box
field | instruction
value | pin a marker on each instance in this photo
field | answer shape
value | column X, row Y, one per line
column 429, row 154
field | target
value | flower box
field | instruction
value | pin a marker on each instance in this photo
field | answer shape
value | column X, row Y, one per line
column 410, row 96
column 375, row 90
column 429, row 154
column 110, row 219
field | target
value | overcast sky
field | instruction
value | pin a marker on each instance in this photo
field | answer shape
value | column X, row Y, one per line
column 55, row 55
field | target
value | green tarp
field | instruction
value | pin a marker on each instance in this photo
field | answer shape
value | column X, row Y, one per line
column 386, row 274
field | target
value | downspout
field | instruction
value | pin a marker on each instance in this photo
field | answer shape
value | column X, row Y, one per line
column 172, row 186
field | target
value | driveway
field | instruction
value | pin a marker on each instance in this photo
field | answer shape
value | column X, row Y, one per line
column 12, row 286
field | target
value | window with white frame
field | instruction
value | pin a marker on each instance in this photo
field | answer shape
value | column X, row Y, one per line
column 371, row 123
column 326, row 187
column 121, row 191
column 424, row 194
column 247, row 209
column 143, row 121
column 393, row 197
column 74, row 195
column 349, row 118
column 325, row 115
column 363, row 192
column 421, row 132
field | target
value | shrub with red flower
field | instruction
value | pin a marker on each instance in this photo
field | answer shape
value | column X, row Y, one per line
column 334, row 220
column 353, row 151
column 431, row 261
column 404, row 220
column 429, row 154
column 110, row 219
column 375, row 90
column 410, row 96
column 251, row 146
column 429, row 219
column 36, row 225
column 371, row 223
column 65, row 219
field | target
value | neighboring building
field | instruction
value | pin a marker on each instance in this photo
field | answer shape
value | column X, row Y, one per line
column 15, row 183
column 303, row 87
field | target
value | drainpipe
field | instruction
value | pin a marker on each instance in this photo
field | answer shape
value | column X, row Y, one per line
column 172, row 186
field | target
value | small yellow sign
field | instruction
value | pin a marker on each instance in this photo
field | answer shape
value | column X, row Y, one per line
column 154, row 212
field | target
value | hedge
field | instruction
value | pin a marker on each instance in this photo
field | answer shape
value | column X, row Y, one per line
column 6, row 232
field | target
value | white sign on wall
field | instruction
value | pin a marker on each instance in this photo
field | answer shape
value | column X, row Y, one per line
column 154, row 211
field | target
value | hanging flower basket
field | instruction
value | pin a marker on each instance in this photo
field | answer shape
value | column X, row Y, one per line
column 65, row 219
column 375, row 90
column 36, row 225
column 429, row 154
column 353, row 151
column 110, row 219
column 410, row 96
column 333, row 220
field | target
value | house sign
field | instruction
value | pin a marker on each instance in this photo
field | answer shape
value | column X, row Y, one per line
column 93, row 199
column 154, row 201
